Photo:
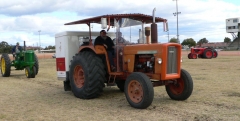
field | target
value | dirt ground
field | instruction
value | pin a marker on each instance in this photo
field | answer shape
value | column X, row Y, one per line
column 216, row 96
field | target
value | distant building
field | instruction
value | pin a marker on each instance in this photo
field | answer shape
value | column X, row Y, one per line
column 32, row 48
column 36, row 49
column 233, row 25
column 235, row 44
column 47, row 51
column 215, row 45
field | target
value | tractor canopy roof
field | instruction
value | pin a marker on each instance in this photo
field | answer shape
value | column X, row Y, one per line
column 136, row 16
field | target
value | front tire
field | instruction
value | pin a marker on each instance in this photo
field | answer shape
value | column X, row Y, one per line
column 182, row 89
column 194, row 56
column 139, row 90
column 5, row 65
column 33, row 72
column 28, row 72
column 36, row 64
column 87, row 75
column 189, row 56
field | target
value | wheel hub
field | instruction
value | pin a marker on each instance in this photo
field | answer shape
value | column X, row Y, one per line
column 78, row 76
column 26, row 72
column 209, row 54
column 135, row 91
column 3, row 65
column 177, row 87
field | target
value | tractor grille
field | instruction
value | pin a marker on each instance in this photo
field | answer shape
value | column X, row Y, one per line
column 172, row 60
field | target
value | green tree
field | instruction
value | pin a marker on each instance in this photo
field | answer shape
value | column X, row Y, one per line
column 49, row 47
column 173, row 40
column 189, row 42
column 201, row 41
column 5, row 47
column 3, row 44
column 227, row 40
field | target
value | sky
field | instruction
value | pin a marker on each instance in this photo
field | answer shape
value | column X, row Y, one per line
column 37, row 21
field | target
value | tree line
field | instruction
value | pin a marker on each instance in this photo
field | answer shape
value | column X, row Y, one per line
column 190, row 42
column 7, row 48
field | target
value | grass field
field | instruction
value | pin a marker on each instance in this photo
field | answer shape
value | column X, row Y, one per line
column 216, row 96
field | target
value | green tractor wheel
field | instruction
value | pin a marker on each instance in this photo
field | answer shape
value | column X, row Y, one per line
column 28, row 72
column 5, row 65
column 34, row 72
column 36, row 64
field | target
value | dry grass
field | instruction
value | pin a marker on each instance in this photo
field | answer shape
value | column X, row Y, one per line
column 216, row 96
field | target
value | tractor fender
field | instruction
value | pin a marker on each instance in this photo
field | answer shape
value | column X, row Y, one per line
column 99, row 50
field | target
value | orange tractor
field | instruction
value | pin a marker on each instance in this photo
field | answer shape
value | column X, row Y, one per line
column 207, row 53
column 140, row 66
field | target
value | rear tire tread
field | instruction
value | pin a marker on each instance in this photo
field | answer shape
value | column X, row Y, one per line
column 7, row 65
column 94, row 75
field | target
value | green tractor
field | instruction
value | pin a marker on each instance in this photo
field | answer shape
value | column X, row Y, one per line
column 23, row 60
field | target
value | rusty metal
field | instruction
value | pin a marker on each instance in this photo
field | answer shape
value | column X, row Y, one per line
column 154, row 33
column 147, row 34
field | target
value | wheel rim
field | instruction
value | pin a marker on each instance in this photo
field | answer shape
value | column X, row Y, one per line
column 26, row 72
column 78, row 76
column 215, row 54
column 3, row 65
column 209, row 54
column 135, row 91
column 177, row 88
column 194, row 56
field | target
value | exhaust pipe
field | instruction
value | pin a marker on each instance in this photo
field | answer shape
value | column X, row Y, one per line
column 24, row 45
column 147, row 34
column 153, row 14
column 154, row 31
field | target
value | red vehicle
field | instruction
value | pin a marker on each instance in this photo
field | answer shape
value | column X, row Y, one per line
column 202, row 53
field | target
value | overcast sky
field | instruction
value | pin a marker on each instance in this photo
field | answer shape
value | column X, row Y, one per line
column 22, row 19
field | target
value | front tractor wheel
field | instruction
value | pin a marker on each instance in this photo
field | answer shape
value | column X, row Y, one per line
column 182, row 88
column 194, row 56
column 33, row 74
column 87, row 75
column 139, row 90
column 190, row 56
column 28, row 72
column 36, row 64
column 5, row 65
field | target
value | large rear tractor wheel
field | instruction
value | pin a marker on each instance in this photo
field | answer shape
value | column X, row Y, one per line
column 208, row 53
column 5, row 65
column 139, row 90
column 215, row 53
column 182, row 88
column 87, row 75
column 36, row 63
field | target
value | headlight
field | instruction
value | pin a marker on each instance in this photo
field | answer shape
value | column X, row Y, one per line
column 181, row 59
column 159, row 60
